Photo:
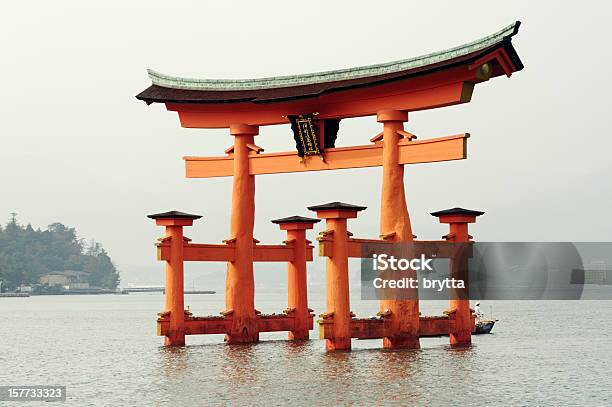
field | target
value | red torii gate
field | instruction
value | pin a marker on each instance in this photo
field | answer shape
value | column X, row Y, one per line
column 240, row 321
column 338, row 324
column 388, row 91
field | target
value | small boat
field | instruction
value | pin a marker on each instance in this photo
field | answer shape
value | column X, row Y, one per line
column 484, row 326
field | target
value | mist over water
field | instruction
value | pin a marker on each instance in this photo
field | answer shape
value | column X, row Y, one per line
column 104, row 349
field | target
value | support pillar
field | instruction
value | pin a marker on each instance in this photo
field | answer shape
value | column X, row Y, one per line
column 168, row 277
column 337, row 279
column 175, row 291
column 240, row 284
column 297, row 287
column 458, row 219
column 395, row 226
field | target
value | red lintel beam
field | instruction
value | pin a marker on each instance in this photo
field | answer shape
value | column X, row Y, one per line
column 404, row 95
column 378, row 328
column 279, row 323
column 440, row 249
column 200, row 252
column 277, row 253
column 326, row 246
column 216, row 325
column 410, row 152
column 198, row 326
column 221, row 252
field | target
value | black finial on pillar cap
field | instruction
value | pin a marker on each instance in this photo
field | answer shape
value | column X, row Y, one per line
column 457, row 211
column 337, row 206
column 173, row 215
column 295, row 219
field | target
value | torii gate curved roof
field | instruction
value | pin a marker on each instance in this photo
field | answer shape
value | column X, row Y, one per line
column 208, row 102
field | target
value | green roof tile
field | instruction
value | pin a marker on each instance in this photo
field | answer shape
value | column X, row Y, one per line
column 173, row 82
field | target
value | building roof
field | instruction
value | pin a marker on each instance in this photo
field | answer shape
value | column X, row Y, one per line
column 457, row 211
column 173, row 215
column 295, row 219
column 337, row 206
column 67, row 273
column 171, row 89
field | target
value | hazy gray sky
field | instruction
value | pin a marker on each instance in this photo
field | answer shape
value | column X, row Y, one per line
column 78, row 148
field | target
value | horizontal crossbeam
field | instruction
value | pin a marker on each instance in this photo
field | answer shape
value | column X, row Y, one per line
column 222, row 325
column 410, row 152
column 199, row 252
column 227, row 252
column 449, row 87
column 364, row 248
column 362, row 328
column 277, row 253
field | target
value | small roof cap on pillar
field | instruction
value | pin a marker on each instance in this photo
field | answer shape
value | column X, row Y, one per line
column 295, row 219
column 457, row 211
column 337, row 206
column 173, row 215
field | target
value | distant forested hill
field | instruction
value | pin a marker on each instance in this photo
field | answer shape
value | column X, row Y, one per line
column 27, row 254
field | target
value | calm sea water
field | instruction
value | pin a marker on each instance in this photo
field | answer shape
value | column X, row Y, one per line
column 104, row 349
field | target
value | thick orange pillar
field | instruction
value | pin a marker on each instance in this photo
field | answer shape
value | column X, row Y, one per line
column 395, row 226
column 175, row 296
column 297, row 287
column 458, row 219
column 240, row 284
column 168, row 275
column 337, row 280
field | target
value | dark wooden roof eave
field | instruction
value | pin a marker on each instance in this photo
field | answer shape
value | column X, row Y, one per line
column 159, row 94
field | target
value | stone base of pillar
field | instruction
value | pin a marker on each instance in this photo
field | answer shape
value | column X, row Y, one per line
column 242, row 338
column 298, row 335
column 175, row 339
column 402, row 342
column 243, row 330
column 460, row 339
column 338, row 344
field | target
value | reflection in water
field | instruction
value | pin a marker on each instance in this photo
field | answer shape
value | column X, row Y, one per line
column 297, row 348
column 462, row 369
column 173, row 360
column 395, row 364
column 336, row 376
column 396, row 370
column 461, row 356
column 337, row 364
column 238, row 364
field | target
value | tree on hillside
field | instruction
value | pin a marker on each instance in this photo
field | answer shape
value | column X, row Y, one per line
column 27, row 254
